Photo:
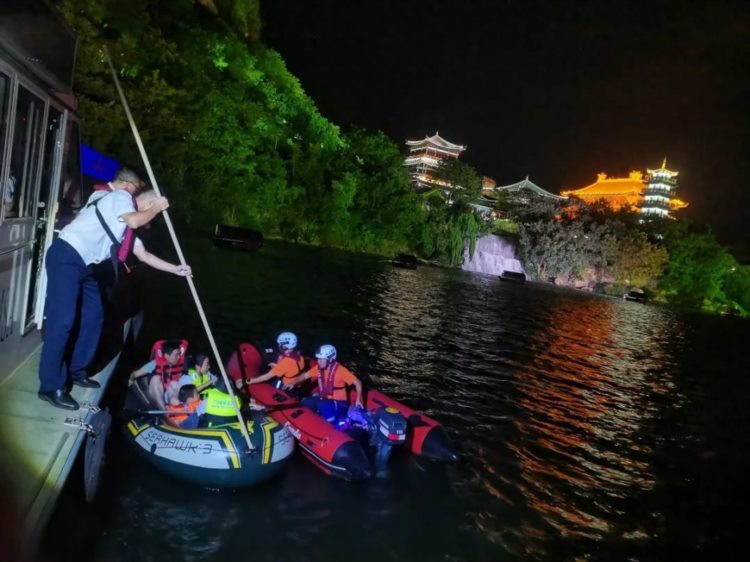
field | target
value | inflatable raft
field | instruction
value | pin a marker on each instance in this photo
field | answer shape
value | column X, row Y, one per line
column 336, row 450
column 215, row 457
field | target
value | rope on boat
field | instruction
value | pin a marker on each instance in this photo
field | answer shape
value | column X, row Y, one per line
column 180, row 255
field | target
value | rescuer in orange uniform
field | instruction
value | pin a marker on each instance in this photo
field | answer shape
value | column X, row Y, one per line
column 333, row 378
column 288, row 366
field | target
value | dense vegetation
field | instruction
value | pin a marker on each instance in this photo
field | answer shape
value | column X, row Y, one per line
column 233, row 137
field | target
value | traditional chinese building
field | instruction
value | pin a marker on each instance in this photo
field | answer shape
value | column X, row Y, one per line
column 661, row 188
column 617, row 192
column 526, row 190
column 426, row 155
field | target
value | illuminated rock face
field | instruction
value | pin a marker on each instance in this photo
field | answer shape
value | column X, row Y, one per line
column 493, row 255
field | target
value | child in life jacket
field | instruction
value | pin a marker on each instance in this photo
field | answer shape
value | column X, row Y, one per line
column 199, row 373
column 188, row 410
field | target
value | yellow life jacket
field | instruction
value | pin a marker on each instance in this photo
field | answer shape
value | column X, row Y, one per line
column 219, row 405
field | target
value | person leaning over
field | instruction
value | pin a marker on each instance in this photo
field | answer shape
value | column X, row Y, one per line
column 147, row 200
column 73, row 293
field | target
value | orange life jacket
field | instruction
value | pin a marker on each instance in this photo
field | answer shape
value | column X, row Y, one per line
column 179, row 419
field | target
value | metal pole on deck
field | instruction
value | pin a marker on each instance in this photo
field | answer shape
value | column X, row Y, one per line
column 177, row 247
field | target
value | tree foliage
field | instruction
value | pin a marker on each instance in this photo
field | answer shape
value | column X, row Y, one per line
column 551, row 248
column 230, row 133
column 460, row 180
column 697, row 269
column 447, row 231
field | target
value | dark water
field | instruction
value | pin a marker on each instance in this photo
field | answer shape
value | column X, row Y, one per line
column 590, row 428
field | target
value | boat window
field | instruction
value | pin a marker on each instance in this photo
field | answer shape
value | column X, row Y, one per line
column 51, row 159
column 6, row 188
column 72, row 196
column 25, row 163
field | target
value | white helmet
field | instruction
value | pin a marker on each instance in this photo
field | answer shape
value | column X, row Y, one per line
column 326, row 352
column 287, row 340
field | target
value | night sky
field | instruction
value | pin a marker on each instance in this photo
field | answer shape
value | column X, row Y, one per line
column 555, row 90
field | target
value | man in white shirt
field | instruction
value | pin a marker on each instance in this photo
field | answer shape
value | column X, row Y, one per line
column 72, row 291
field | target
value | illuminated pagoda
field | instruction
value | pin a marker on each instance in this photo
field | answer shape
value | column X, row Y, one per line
column 653, row 194
column 426, row 155
column 659, row 198
column 617, row 192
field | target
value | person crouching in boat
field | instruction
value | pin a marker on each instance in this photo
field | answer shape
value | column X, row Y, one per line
column 289, row 363
column 218, row 408
column 187, row 412
column 164, row 371
column 333, row 378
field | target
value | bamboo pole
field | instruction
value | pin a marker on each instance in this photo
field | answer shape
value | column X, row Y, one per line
column 177, row 247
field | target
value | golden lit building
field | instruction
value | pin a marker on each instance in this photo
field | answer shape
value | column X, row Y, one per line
column 617, row 192
column 653, row 194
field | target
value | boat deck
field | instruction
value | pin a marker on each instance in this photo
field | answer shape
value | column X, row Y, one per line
column 39, row 449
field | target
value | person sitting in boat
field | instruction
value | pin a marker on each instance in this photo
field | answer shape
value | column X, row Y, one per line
column 289, row 363
column 333, row 378
column 164, row 371
column 218, row 408
column 199, row 373
column 188, row 410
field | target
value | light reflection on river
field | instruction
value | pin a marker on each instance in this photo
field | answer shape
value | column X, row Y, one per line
column 581, row 420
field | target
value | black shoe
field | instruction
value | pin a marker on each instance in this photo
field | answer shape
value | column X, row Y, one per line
column 60, row 398
column 86, row 383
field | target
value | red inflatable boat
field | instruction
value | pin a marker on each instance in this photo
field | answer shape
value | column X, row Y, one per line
column 333, row 451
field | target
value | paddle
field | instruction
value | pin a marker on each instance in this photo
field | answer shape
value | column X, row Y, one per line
column 132, row 413
column 178, row 249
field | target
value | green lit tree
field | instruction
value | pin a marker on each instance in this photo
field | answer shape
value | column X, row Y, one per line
column 696, row 271
column 458, row 180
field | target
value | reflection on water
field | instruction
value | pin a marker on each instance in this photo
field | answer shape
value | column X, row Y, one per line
column 578, row 419
column 582, row 402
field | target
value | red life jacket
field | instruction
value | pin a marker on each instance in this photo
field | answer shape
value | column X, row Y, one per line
column 325, row 383
column 167, row 372
column 128, row 241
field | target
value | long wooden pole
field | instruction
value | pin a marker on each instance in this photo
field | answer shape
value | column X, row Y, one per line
column 177, row 247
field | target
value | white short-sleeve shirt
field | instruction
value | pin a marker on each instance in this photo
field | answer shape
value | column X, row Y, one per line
column 87, row 235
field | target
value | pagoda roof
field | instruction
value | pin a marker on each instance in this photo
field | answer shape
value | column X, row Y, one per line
column 663, row 168
column 436, row 140
column 531, row 186
column 604, row 186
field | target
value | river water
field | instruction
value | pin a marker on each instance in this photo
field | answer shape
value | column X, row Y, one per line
column 590, row 428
